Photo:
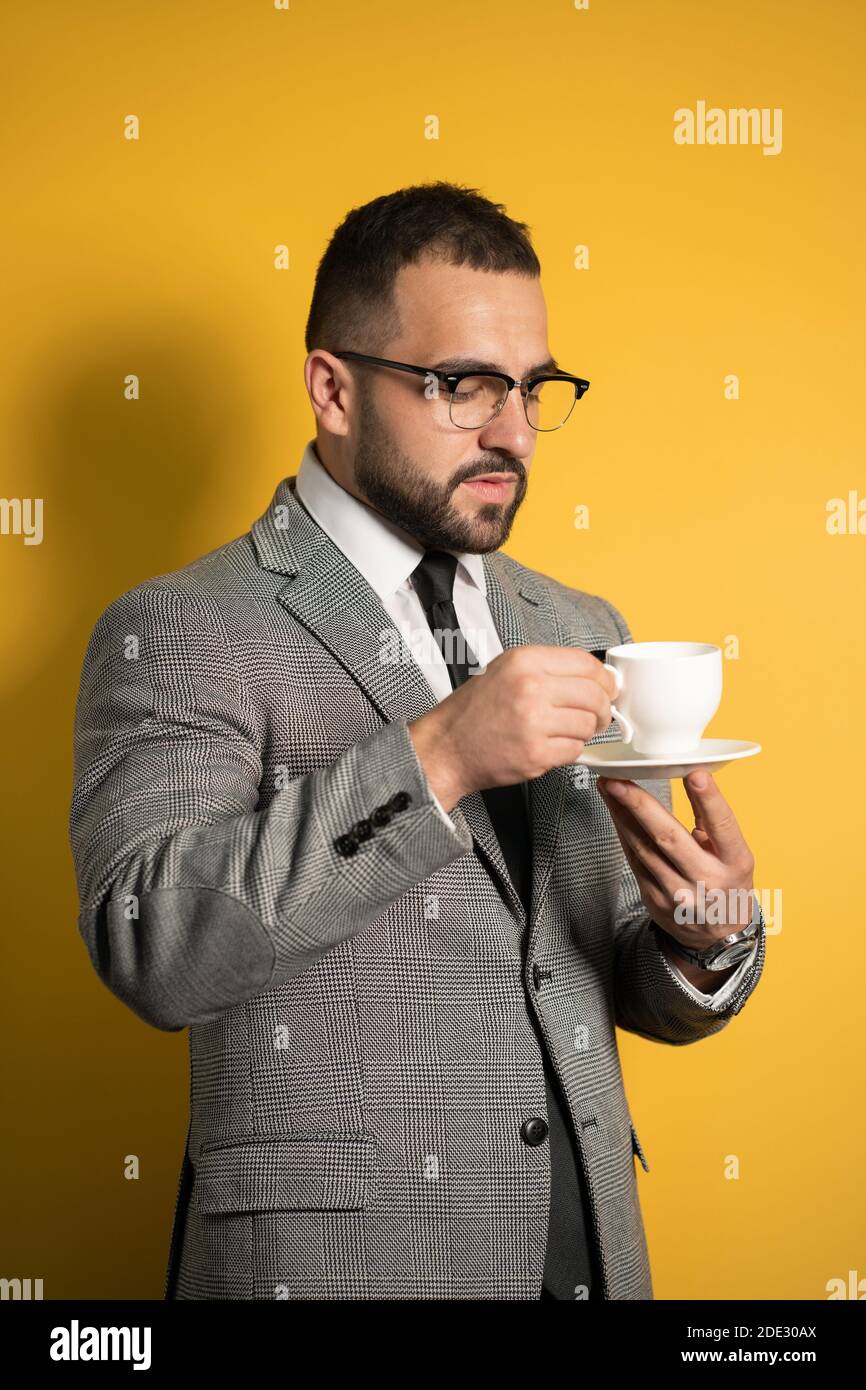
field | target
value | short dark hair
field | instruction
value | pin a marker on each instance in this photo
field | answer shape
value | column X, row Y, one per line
column 353, row 297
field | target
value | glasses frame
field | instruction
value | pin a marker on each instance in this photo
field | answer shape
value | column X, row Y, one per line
column 451, row 380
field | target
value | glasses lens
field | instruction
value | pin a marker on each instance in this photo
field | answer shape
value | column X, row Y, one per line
column 476, row 400
column 549, row 404
column 479, row 398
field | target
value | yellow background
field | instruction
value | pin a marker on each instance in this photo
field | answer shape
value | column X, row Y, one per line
column 708, row 516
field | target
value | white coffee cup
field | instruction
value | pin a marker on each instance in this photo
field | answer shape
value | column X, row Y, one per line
column 667, row 693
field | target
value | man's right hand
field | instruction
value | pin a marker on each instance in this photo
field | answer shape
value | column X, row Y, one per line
column 532, row 708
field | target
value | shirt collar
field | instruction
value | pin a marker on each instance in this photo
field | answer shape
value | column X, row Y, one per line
column 383, row 553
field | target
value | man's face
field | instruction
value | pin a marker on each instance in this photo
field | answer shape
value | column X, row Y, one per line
column 411, row 464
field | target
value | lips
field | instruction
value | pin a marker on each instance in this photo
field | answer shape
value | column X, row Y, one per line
column 492, row 489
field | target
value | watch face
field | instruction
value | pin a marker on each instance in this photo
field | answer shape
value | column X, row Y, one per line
column 732, row 955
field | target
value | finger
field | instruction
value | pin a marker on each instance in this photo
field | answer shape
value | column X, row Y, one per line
column 698, row 810
column 564, row 752
column 645, row 852
column 713, row 814
column 662, row 829
column 579, row 692
column 656, row 901
column 562, row 722
column 571, row 661
column 644, row 879
column 653, row 897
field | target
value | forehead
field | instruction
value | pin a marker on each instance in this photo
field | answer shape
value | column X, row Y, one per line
column 445, row 309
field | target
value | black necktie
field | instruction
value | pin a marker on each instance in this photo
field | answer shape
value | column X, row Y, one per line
column 569, row 1259
column 506, row 806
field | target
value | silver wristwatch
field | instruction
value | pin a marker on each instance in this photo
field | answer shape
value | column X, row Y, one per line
column 730, row 950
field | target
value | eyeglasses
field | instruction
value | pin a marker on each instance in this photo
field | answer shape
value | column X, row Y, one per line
column 475, row 398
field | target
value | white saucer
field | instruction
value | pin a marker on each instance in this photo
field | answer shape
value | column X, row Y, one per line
column 621, row 760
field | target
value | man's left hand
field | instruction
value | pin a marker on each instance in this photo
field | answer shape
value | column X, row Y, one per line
column 668, row 860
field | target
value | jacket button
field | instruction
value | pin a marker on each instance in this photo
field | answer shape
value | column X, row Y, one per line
column 399, row 801
column 363, row 829
column 534, row 1131
column 346, row 845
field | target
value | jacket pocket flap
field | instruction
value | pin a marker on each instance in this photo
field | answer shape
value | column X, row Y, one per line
column 638, row 1149
column 286, row 1173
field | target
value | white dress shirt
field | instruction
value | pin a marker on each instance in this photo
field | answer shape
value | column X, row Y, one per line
column 386, row 556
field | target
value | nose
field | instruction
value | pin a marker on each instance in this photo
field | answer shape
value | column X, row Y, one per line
column 509, row 430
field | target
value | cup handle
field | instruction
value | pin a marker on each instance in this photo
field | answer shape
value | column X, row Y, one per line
column 627, row 726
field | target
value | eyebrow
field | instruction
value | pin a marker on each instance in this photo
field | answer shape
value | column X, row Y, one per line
column 474, row 364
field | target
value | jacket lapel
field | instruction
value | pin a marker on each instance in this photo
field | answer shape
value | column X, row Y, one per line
column 523, row 612
column 337, row 605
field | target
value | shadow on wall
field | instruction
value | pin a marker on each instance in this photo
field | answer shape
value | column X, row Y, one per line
column 122, row 483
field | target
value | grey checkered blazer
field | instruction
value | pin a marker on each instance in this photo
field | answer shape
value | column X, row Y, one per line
column 361, row 1057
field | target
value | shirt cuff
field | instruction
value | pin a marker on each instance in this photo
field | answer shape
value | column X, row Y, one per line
column 724, row 992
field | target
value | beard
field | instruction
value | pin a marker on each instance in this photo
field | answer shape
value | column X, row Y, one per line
column 396, row 488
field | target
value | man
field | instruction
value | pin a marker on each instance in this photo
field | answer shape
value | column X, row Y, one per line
column 326, row 816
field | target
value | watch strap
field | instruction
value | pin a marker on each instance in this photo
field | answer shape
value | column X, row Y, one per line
column 704, row 959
